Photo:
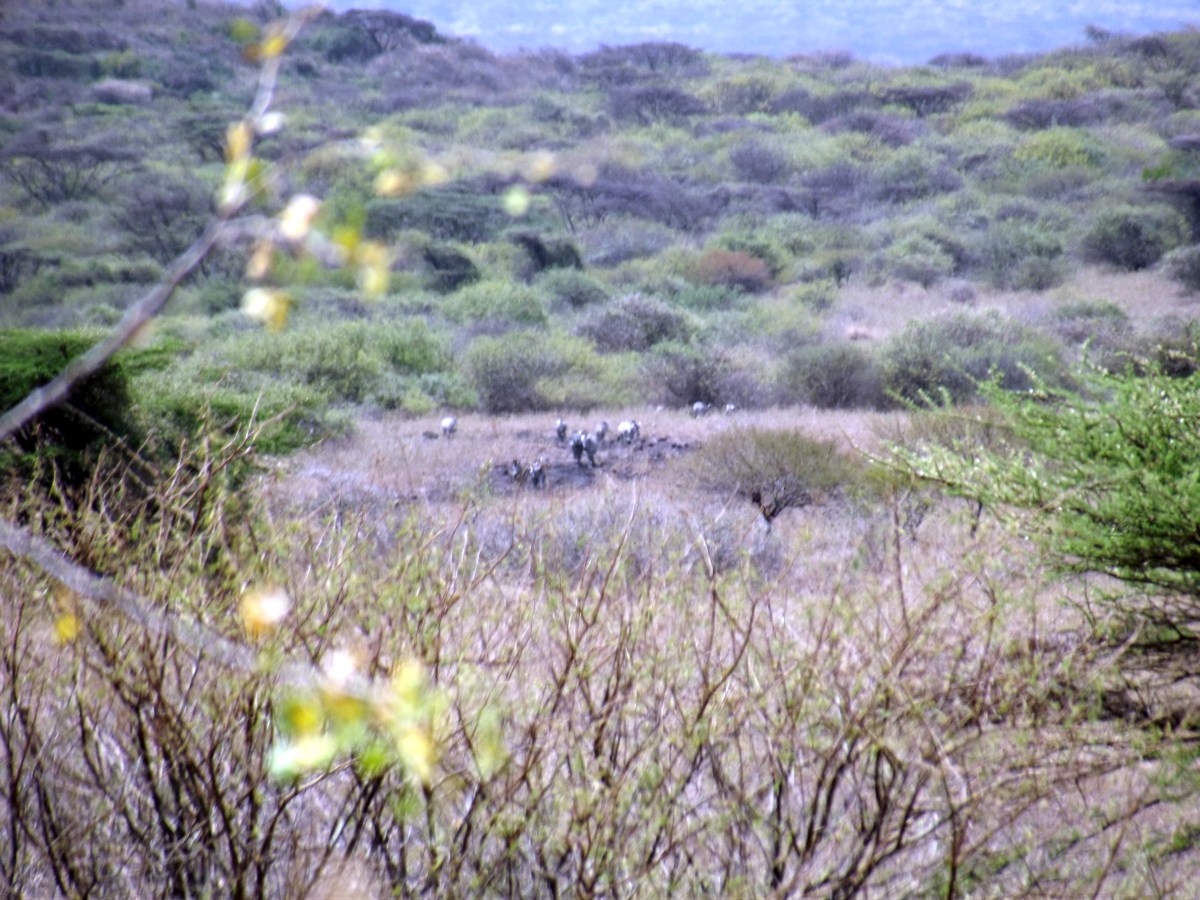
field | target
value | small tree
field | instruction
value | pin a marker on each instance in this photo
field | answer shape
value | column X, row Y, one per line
column 773, row 468
column 1134, row 238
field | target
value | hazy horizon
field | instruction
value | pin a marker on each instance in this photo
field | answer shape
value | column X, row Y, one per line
column 885, row 31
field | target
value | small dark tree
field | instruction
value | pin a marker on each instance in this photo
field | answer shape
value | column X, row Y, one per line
column 775, row 469
column 636, row 323
column 53, row 165
column 928, row 99
column 653, row 103
column 162, row 214
column 683, row 374
column 1134, row 238
column 833, row 191
column 754, row 161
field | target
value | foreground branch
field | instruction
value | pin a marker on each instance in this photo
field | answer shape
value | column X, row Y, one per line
column 49, row 395
column 107, row 594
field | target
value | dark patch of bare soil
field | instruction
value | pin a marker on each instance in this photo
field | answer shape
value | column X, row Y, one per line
column 626, row 461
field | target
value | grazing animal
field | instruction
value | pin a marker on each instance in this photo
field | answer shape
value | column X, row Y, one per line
column 534, row 473
column 628, row 431
column 560, row 431
column 590, row 446
column 577, row 447
column 730, row 408
column 769, row 508
column 700, row 408
column 449, row 426
column 601, row 431
column 537, row 472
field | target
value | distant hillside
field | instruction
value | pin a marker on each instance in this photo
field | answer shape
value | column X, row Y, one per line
column 647, row 222
column 892, row 31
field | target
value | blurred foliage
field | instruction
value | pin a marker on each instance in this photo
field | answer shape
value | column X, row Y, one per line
column 1109, row 473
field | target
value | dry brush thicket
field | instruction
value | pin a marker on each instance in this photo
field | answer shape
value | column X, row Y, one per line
column 645, row 696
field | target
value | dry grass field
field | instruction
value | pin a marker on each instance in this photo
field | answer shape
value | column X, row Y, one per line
column 890, row 701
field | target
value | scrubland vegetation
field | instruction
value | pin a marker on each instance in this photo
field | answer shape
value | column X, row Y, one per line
column 914, row 618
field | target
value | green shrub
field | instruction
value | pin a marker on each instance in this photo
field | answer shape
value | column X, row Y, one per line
column 508, row 372
column 96, row 412
column 1100, row 323
column 834, row 376
column 955, row 354
column 495, row 300
column 1132, row 238
column 780, row 467
column 1015, row 255
column 570, row 288
column 919, row 259
column 818, row 295
column 187, row 400
column 1110, row 477
column 1061, row 148
column 1183, row 264
column 634, row 323
column 341, row 362
column 705, row 297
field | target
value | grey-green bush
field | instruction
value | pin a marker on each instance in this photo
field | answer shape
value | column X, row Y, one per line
column 1132, row 238
column 570, row 288
column 834, row 376
column 955, row 354
column 1016, row 255
column 634, row 322
column 1183, row 264
column 505, row 371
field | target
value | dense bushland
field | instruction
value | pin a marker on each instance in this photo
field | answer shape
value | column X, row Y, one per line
column 704, row 183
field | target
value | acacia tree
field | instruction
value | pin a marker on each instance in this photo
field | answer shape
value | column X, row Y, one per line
column 1110, row 473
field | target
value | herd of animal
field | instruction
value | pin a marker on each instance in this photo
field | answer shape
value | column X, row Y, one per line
column 582, row 444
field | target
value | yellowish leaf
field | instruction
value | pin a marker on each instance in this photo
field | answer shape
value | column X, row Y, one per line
column 66, row 628
column 258, row 266
column 315, row 751
column 540, row 166
column 297, row 217
column 270, row 306
column 263, row 608
column 516, row 201
column 417, row 752
column 395, row 182
column 238, row 139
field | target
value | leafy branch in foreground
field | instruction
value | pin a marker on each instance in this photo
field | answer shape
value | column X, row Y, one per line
column 313, row 737
column 1111, row 475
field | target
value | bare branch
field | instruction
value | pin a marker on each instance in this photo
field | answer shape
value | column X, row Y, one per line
column 49, row 395
column 107, row 594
